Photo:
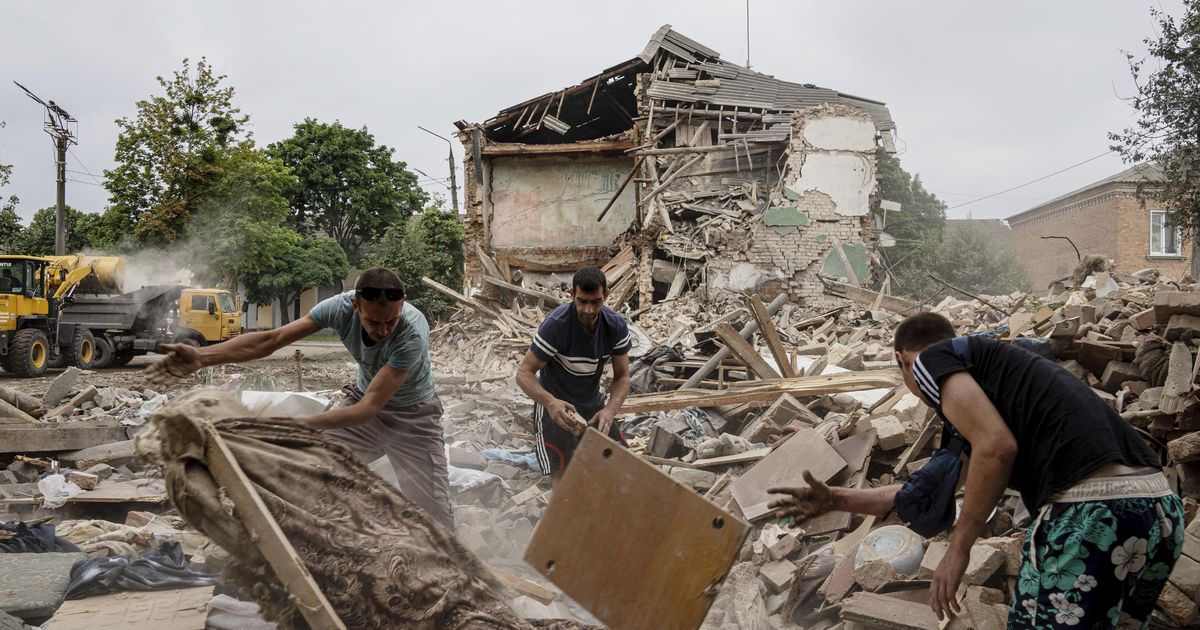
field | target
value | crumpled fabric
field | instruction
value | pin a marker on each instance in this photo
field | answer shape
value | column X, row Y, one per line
column 158, row 569
column 528, row 460
column 20, row 537
column 380, row 560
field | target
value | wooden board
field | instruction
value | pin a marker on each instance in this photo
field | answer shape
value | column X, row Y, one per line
column 771, row 335
column 784, row 467
column 744, row 352
column 175, row 609
column 633, row 546
column 130, row 491
column 881, row 611
column 800, row 387
column 68, row 436
column 899, row 306
column 752, row 455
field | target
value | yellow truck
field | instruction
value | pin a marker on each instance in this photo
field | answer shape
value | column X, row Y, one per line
column 71, row 310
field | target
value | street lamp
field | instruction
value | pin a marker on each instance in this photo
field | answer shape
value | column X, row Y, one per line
column 453, row 179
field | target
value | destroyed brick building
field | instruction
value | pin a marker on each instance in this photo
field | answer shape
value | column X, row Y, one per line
column 713, row 175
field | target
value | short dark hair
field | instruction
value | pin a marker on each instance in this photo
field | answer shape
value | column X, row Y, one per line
column 589, row 279
column 922, row 330
column 379, row 278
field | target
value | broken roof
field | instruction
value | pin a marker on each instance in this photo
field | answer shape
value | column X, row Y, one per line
column 605, row 104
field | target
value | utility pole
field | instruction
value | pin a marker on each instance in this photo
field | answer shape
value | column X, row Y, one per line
column 61, row 127
column 453, row 177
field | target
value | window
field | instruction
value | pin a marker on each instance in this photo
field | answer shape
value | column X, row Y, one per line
column 199, row 303
column 226, row 303
column 1164, row 240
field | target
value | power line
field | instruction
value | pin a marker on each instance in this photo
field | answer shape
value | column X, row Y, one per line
column 1091, row 159
column 80, row 162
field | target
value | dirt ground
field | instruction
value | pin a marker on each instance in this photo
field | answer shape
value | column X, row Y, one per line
column 325, row 367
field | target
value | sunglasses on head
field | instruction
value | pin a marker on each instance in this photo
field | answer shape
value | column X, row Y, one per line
column 372, row 294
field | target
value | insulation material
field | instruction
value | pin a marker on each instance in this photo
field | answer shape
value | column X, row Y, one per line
column 379, row 559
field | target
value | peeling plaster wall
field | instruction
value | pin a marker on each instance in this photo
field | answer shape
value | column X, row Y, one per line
column 554, row 202
column 826, row 197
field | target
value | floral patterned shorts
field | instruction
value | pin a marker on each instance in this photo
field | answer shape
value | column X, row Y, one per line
column 1099, row 564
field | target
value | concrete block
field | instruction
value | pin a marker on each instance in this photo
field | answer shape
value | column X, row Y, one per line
column 1180, row 324
column 85, row 481
column 1177, row 605
column 61, row 387
column 1012, row 547
column 1075, row 368
column 984, row 561
column 777, row 575
column 1168, row 303
column 1116, row 373
column 875, row 574
column 985, row 595
column 1145, row 320
column 698, row 480
column 890, row 432
column 784, row 547
column 1186, row 448
column 1186, row 576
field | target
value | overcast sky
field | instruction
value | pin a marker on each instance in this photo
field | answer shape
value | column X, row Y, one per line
column 986, row 96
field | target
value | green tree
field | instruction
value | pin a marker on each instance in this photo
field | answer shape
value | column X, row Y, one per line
column 969, row 260
column 10, row 222
column 304, row 262
column 169, row 155
column 917, row 227
column 38, row 238
column 350, row 189
column 240, row 230
column 427, row 244
column 1168, row 107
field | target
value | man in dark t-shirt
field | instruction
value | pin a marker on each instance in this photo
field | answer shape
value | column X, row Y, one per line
column 562, row 369
column 1107, row 529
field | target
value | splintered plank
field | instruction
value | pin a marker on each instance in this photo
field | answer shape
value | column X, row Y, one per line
column 881, row 611
column 784, row 467
column 771, row 335
column 633, row 546
column 746, row 354
column 267, row 536
column 68, row 436
column 175, row 609
column 800, row 387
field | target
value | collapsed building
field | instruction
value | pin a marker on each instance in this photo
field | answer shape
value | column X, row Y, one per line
column 702, row 173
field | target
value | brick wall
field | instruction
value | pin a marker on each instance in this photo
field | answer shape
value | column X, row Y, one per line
column 1108, row 221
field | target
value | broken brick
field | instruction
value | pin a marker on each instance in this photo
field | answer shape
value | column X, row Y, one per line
column 777, row 575
column 890, row 432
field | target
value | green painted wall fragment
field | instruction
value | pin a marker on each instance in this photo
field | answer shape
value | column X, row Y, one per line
column 821, row 238
column 790, row 194
column 786, row 216
column 856, row 254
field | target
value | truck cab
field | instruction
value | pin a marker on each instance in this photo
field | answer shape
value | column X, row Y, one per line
column 211, row 313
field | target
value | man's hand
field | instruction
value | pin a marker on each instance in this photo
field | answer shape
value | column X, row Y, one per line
column 944, row 587
column 777, row 438
column 603, row 420
column 803, row 502
column 181, row 360
column 564, row 415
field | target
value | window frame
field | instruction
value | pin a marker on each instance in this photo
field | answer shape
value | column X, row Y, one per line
column 1163, row 232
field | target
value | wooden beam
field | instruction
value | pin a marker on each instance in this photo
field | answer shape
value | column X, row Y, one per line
column 671, row 178
column 723, row 353
column 744, row 352
column 542, row 295
column 681, row 150
column 620, row 189
column 267, row 536
column 841, row 254
column 771, row 335
column 42, row 437
column 867, row 297
column 8, row 410
column 519, row 148
column 800, row 387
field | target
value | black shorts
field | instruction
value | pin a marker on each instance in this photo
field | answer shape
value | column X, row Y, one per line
column 556, row 445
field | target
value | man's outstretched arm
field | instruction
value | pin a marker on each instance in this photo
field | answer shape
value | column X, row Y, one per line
column 183, row 359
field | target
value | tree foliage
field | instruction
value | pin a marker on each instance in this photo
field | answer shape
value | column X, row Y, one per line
column 968, row 259
column 10, row 222
column 84, row 231
column 350, row 188
column 304, row 262
column 1168, row 106
column 918, row 224
column 240, row 228
column 427, row 244
column 169, row 155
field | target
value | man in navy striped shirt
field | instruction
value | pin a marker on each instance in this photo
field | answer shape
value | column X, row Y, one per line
column 562, row 369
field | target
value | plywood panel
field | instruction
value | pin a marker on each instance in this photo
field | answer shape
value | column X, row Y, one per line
column 176, row 609
column 635, row 548
column 784, row 467
column 542, row 202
